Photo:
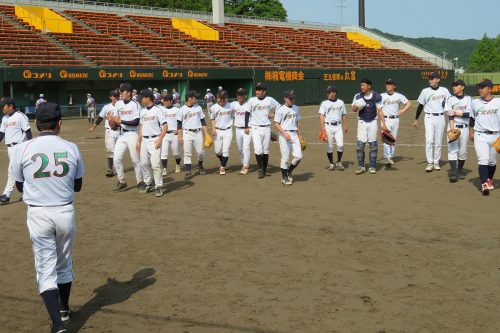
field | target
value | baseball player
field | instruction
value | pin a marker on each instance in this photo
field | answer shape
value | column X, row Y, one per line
column 49, row 170
column 286, row 120
column 15, row 129
column 221, row 117
column 128, row 117
column 332, row 114
column 110, row 134
column 391, row 104
column 240, row 108
column 432, row 100
column 367, row 124
column 172, row 138
column 135, row 97
column 90, row 108
column 458, row 107
column 157, row 96
column 190, row 122
column 484, row 130
column 261, row 109
column 177, row 98
column 152, row 130
column 39, row 101
column 209, row 99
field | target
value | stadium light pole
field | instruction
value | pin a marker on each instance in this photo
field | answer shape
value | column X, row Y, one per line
column 218, row 11
column 362, row 13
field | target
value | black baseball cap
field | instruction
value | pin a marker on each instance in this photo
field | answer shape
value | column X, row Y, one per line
column 367, row 81
column 147, row 93
column 260, row 86
column 290, row 94
column 7, row 101
column 167, row 97
column 241, row 92
column 222, row 94
column 48, row 112
column 434, row 75
column 331, row 89
column 125, row 86
column 485, row 83
column 458, row 83
column 115, row 93
column 192, row 93
column 390, row 81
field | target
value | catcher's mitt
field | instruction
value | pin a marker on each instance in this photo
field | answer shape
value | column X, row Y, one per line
column 388, row 138
column 274, row 137
column 208, row 141
column 453, row 135
column 302, row 143
column 113, row 125
column 323, row 137
column 496, row 144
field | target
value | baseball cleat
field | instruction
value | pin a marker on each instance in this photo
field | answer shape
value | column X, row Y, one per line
column 331, row 167
column 453, row 179
column 109, row 173
column 461, row 176
column 164, row 172
column 202, row 170
column 339, row 166
column 65, row 315
column 390, row 162
column 437, row 167
column 360, row 170
column 372, row 171
column 262, row 174
column 491, row 187
column 429, row 167
column 146, row 188
column 244, row 170
column 290, row 179
column 222, row 171
column 120, row 187
column 286, row 181
column 63, row 330
column 158, row 192
column 177, row 168
column 484, row 189
column 4, row 199
column 188, row 175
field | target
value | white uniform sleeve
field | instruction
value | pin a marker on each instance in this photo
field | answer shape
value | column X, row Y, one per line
column 2, row 127
column 278, row 115
column 103, row 112
column 403, row 99
column 137, row 112
column 25, row 123
column 179, row 115
column 202, row 114
column 161, row 117
column 15, row 167
column 275, row 105
column 79, row 164
column 298, row 114
column 421, row 98
column 469, row 105
column 447, row 105
column 447, row 93
column 322, row 108
column 342, row 109
column 212, row 112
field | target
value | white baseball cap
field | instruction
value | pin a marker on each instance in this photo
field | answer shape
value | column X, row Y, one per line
column 155, row 89
column 208, row 89
column 89, row 95
column 41, row 95
column 220, row 87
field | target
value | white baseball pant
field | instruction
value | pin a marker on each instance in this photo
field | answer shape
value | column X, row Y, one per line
column 110, row 138
column 150, row 161
column 243, row 143
column 434, row 129
column 91, row 113
column 222, row 141
column 292, row 146
column 172, row 141
column 393, row 126
column 367, row 131
column 193, row 138
column 127, row 140
column 457, row 150
column 334, row 132
column 52, row 232
column 261, row 137
column 9, row 187
column 486, row 153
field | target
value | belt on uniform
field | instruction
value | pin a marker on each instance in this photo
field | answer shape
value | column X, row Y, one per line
column 168, row 132
column 193, row 130
column 262, row 125
column 126, row 130
column 69, row 203
column 223, row 129
column 461, row 125
column 436, row 114
column 150, row 137
column 12, row 144
column 291, row 130
column 334, row 123
column 488, row 132
column 391, row 117
column 241, row 127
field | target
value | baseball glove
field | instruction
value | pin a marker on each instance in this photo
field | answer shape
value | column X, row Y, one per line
column 388, row 138
column 208, row 141
column 302, row 143
column 274, row 137
column 113, row 125
column 453, row 135
column 496, row 144
column 323, row 137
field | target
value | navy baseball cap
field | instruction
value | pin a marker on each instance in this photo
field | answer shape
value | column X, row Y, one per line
column 434, row 75
column 260, row 86
column 290, row 94
column 390, row 81
column 192, row 93
column 114, row 93
column 168, row 97
column 458, row 83
column 48, row 112
column 7, row 101
column 147, row 93
column 485, row 83
column 222, row 94
column 331, row 89
column 241, row 92
column 367, row 81
column 125, row 86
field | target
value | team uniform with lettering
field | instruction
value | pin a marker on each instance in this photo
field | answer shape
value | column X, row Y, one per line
column 457, row 150
column 191, row 117
column 390, row 106
column 110, row 135
column 259, row 110
column 223, row 118
column 242, row 139
column 433, row 101
column 127, row 111
column 209, row 98
column 171, row 139
column 288, row 118
column 333, row 110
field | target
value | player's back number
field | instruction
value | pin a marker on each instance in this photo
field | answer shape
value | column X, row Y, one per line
column 59, row 162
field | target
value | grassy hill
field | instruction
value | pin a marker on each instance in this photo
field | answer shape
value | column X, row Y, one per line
column 453, row 47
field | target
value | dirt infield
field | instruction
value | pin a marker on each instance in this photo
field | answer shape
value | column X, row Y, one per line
column 399, row 251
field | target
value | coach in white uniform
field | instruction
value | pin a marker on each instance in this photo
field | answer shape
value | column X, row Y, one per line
column 286, row 120
column 49, row 170
column 128, row 117
column 15, row 129
column 171, row 140
column 332, row 114
column 152, row 130
column 261, row 110
column 484, row 130
column 391, row 104
column 458, row 107
column 243, row 139
column 221, row 117
column 190, row 123
column 432, row 100
column 110, row 135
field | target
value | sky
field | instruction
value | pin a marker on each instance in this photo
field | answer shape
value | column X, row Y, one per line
column 455, row 19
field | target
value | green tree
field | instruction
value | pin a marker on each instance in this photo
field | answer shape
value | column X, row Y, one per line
column 486, row 56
